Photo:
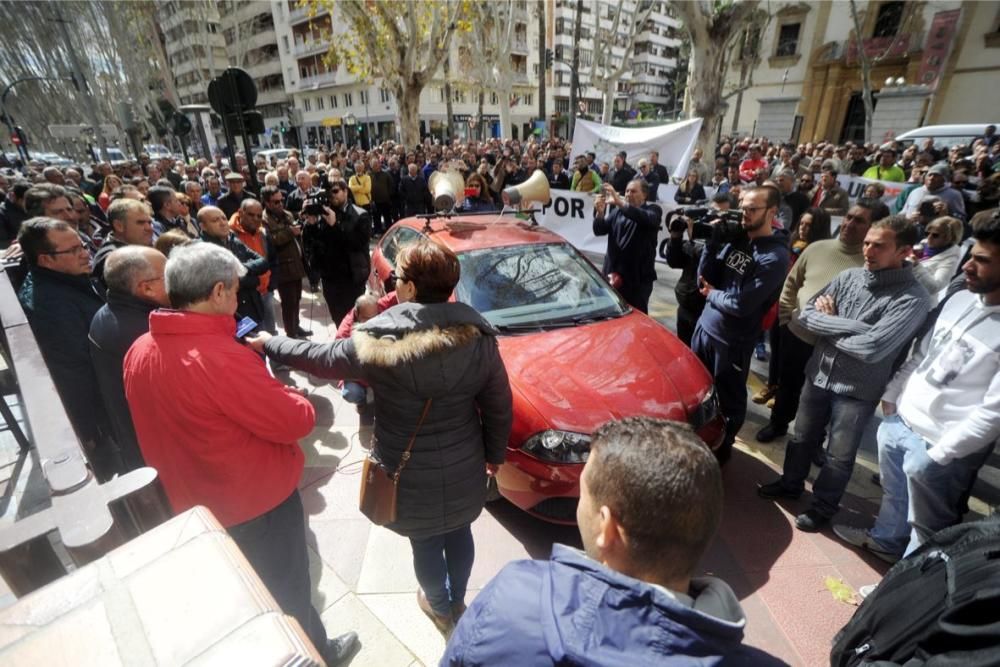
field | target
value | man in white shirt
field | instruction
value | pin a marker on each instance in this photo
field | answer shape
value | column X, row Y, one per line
column 943, row 413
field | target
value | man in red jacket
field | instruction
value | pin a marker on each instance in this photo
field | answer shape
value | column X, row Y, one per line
column 195, row 394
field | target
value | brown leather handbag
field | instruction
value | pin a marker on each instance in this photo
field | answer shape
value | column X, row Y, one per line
column 379, row 487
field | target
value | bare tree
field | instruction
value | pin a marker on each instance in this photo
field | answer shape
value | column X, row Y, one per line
column 606, row 69
column 910, row 11
column 574, row 69
column 712, row 26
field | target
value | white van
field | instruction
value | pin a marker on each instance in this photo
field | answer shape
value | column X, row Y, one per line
column 945, row 136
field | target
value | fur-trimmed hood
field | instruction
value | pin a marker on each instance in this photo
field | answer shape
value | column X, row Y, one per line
column 411, row 331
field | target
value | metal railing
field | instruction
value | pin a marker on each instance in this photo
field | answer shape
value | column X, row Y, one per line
column 86, row 518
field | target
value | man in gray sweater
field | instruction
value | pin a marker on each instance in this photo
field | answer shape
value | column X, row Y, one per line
column 862, row 319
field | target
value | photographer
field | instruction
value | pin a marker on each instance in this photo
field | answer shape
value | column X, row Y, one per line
column 740, row 276
column 631, row 229
column 686, row 255
column 339, row 238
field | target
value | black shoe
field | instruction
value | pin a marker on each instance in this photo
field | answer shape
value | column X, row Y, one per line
column 770, row 432
column 811, row 521
column 776, row 490
column 303, row 333
column 340, row 648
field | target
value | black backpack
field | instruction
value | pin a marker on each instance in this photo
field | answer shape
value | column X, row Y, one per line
column 939, row 606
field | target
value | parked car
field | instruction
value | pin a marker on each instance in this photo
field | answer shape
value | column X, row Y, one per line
column 52, row 159
column 576, row 353
column 272, row 154
column 157, row 151
column 945, row 136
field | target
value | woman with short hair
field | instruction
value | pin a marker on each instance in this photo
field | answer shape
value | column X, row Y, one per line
column 438, row 378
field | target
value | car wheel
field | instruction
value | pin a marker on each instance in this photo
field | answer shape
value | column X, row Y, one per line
column 492, row 490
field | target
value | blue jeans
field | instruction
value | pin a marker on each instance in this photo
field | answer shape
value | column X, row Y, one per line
column 443, row 564
column 919, row 496
column 847, row 418
column 354, row 393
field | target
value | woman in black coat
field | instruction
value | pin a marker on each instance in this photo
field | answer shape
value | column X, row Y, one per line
column 426, row 350
column 691, row 190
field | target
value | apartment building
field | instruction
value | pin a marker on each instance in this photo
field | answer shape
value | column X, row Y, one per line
column 335, row 103
column 252, row 45
column 195, row 46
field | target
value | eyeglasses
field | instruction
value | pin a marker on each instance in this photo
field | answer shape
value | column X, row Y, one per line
column 77, row 249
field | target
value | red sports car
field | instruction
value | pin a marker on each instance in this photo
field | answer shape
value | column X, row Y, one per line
column 576, row 353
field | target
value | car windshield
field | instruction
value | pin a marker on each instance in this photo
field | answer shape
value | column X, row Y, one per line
column 534, row 287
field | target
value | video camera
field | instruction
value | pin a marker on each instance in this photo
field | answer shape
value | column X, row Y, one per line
column 710, row 224
column 314, row 203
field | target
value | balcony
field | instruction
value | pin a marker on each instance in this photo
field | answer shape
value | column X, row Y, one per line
column 520, row 78
column 317, row 81
column 519, row 46
column 310, row 47
column 301, row 14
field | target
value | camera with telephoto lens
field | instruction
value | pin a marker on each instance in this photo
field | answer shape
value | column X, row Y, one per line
column 709, row 224
column 314, row 203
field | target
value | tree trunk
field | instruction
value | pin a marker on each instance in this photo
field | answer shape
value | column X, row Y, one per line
column 705, row 91
column 448, row 108
column 541, row 63
column 574, row 76
column 609, row 100
column 408, row 99
column 479, row 115
column 505, row 114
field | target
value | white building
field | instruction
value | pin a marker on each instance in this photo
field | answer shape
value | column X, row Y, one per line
column 195, row 47
column 327, row 96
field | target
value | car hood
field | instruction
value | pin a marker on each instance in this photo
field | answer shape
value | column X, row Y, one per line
column 578, row 378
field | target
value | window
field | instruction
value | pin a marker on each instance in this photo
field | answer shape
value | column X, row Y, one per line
column 494, row 100
column 291, row 76
column 384, row 95
column 306, row 105
column 441, row 97
column 595, row 107
column 319, row 104
column 348, row 100
column 284, row 42
column 788, row 39
column 534, row 68
column 562, row 105
column 364, row 97
column 333, row 101
column 887, row 22
column 528, row 98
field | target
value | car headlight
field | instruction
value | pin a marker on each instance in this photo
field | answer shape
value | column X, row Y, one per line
column 706, row 411
column 558, row 446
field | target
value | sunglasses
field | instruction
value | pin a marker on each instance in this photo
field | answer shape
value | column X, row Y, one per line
column 334, row 190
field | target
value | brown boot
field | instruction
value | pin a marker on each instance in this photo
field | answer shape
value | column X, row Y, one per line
column 765, row 394
column 443, row 623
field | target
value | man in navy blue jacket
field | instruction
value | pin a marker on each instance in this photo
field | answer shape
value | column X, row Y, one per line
column 631, row 228
column 650, row 503
column 740, row 280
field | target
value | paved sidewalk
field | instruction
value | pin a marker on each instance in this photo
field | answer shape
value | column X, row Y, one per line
column 364, row 578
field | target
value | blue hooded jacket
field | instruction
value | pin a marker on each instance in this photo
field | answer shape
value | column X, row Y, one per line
column 571, row 610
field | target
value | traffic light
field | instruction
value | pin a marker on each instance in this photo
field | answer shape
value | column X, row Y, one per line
column 283, row 128
column 548, row 58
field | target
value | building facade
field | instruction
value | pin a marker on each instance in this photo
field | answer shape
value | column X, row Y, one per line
column 932, row 63
column 335, row 104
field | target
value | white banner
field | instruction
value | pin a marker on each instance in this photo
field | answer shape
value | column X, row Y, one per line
column 855, row 186
column 571, row 216
column 674, row 142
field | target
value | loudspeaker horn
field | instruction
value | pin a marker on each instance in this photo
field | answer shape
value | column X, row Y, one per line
column 446, row 187
column 535, row 189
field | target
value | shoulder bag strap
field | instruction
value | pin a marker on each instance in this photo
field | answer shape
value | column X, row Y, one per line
column 406, row 454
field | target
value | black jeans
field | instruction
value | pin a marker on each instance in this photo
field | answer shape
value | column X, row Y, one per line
column 443, row 564
column 340, row 297
column 729, row 365
column 290, row 293
column 275, row 545
column 795, row 354
column 637, row 296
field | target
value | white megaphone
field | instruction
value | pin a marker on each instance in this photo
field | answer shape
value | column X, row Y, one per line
column 535, row 189
column 445, row 187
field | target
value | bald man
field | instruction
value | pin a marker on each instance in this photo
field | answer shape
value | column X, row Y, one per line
column 248, row 225
column 215, row 229
column 134, row 276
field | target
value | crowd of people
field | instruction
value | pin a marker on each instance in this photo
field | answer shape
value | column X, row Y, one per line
column 141, row 281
